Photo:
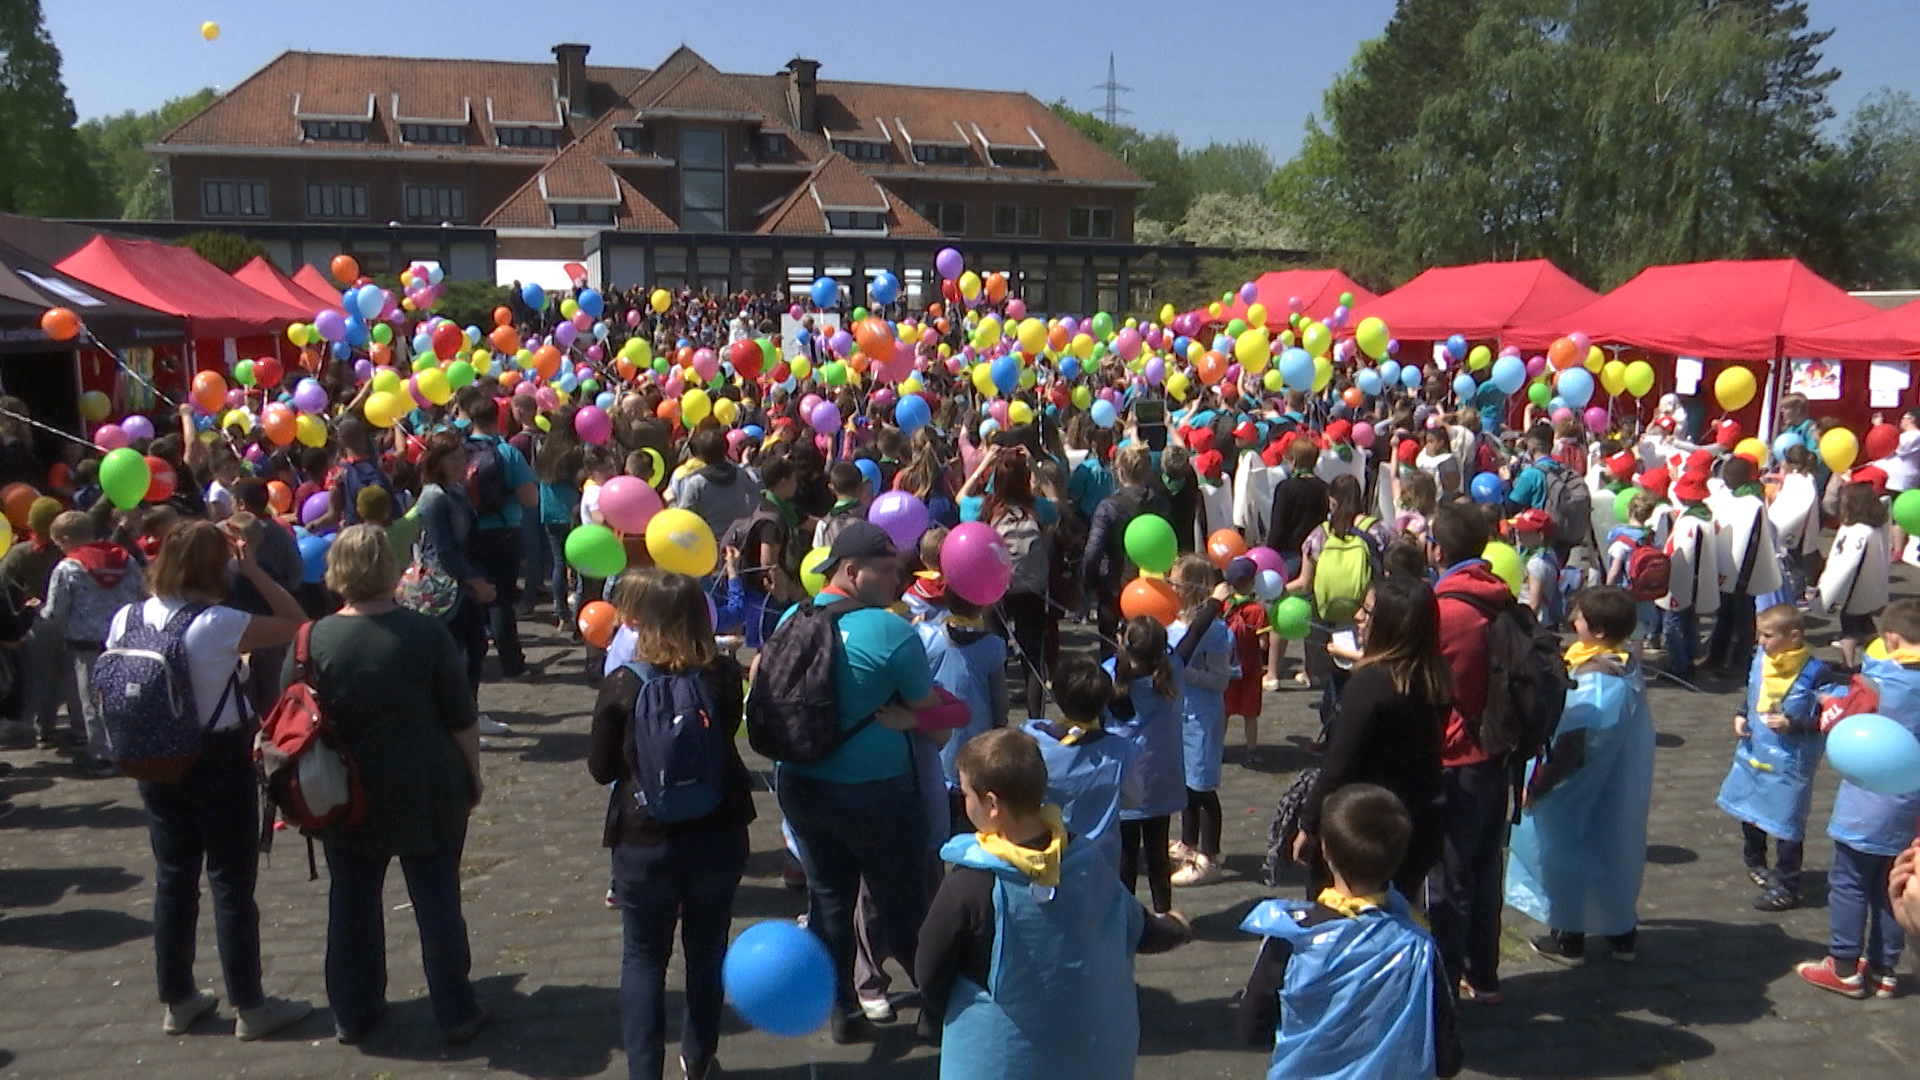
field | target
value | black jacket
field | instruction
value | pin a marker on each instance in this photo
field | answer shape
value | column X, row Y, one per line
column 1105, row 561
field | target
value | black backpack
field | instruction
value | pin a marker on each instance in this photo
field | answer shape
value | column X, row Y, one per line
column 1527, row 683
column 792, row 707
column 486, row 476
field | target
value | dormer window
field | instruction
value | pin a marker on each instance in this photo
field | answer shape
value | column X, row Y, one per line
column 927, row 154
column 434, row 134
column 582, row 213
column 1019, row 159
column 856, row 220
column 333, row 130
column 773, row 147
column 636, row 140
column 544, row 138
column 861, row 149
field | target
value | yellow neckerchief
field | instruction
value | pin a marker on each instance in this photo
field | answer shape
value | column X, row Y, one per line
column 1350, row 906
column 1906, row 656
column 1043, row 866
column 1081, row 729
column 1777, row 674
column 1580, row 653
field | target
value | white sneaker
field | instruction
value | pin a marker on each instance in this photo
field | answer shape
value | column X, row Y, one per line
column 490, row 726
column 270, row 1016
column 1270, row 683
column 1203, row 871
column 879, row 1010
column 182, row 1015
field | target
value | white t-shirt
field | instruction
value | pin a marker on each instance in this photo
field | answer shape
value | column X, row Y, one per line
column 213, row 651
column 1903, row 465
column 590, row 504
column 219, row 501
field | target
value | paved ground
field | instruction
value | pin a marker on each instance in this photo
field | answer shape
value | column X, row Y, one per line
column 1713, row 994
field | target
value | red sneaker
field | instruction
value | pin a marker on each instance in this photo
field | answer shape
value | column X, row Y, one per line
column 1825, row 974
column 1884, row 984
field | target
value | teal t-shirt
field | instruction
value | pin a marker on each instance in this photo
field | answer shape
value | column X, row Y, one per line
column 1530, row 487
column 880, row 660
column 1044, row 511
column 513, row 464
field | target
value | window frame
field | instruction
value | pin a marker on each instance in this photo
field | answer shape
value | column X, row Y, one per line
column 1092, row 215
column 334, row 130
column 710, row 218
column 427, row 134
column 436, row 193
column 864, row 150
column 1019, row 210
column 340, row 188
column 937, row 212
column 256, row 188
column 937, row 154
column 579, row 213
column 530, row 137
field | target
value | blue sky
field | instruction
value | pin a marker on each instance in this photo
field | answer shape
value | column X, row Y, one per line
column 1205, row 69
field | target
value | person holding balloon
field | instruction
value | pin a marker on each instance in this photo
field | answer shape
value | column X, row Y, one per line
column 1878, row 756
column 1856, row 581
column 447, row 526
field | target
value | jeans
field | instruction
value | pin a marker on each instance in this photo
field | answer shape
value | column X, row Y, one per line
column 357, row 936
column 1857, row 906
column 211, row 816
column 691, row 878
column 1026, row 620
column 1786, row 864
column 1683, row 641
column 1730, row 645
column 535, row 548
column 497, row 553
column 553, row 538
column 43, row 671
column 847, row 833
column 78, row 686
column 1464, row 893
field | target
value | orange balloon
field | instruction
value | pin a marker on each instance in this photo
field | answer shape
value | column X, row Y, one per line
column 624, row 368
column 509, row 379
column 1151, row 597
column 18, row 499
column 278, row 423
column 1353, row 397
column 279, row 496
column 60, row 324
column 1057, row 338
column 502, row 316
column 381, row 355
column 1213, row 368
column 546, row 361
column 1224, row 546
column 668, row 410
column 505, row 340
column 936, row 309
column 996, row 287
column 310, row 359
column 209, row 391
column 683, row 356
column 346, row 269
column 859, row 362
column 1563, row 354
column 597, row 622
column 874, row 337
column 943, row 326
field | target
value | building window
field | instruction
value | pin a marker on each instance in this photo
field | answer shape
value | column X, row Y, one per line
column 436, row 202
column 334, row 130
column 582, row 213
column 434, row 134
column 856, row 220
column 1016, row 221
column 703, row 180
column 860, row 149
column 1019, row 159
column 545, row 138
column 233, row 198
column 636, row 140
column 773, row 147
column 331, row 200
column 948, row 217
column 1090, row 223
column 940, row 155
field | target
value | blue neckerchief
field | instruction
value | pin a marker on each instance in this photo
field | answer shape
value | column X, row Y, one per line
column 1451, row 570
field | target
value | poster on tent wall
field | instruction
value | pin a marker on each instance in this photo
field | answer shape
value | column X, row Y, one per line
column 135, row 389
column 1887, row 380
column 1816, row 380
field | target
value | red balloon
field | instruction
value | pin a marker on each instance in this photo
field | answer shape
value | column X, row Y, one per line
column 160, row 487
column 448, row 339
column 745, row 357
column 1881, row 441
column 780, row 373
column 267, row 371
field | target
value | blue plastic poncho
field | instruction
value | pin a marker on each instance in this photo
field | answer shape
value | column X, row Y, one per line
column 1062, row 1003
column 1203, row 709
column 1357, row 1003
column 1083, row 780
column 1881, row 824
column 1155, row 732
column 1771, row 782
column 963, row 671
column 1576, row 858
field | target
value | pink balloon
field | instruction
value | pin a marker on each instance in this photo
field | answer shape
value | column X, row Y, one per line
column 1363, row 434
column 808, row 404
column 591, row 424
column 674, row 386
column 633, row 317
column 1267, row 559
column 1560, row 415
column 547, row 399
column 1535, row 366
column 998, row 410
column 1596, row 418
column 1127, row 343
column 1581, row 342
column 736, row 438
column 706, row 364
column 976, row 563
column 111, row 436
column 1016, row 308
column 628, row 503
column 523, row 388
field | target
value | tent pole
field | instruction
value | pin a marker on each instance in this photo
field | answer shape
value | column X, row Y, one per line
column 1770, row 405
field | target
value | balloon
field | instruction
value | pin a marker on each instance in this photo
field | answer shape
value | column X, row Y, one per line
column 597, row 621
column 1596, row 419
column 209, row 391
column 628, row 503
column 825, row 418
column 949, row 263
column 1753, row 450
column 313, row 557
column 1734, row 387
column 1574, row 386
column 812, row 578
column 1224, row 546
column 60, row 324
column 124, row 477
column 1639, row 378
column 210, row 31
column 1293, row 617
column 592, row 425
column 1505, row 563
column 902, row 515
column 1838, row 448
column 310, row 431
column 1150, row 543
column 1564, row 354
column 1509, row 374
column 976, row 563
column 345, row 269
column 1102, row 413
column 137, row 427
column 1151, row 597
column 1539, row 394
column 313, row 508
column 533, row 295
column 1906, row 511
column 1316, row 338
column 825, row 292
column 595, row 551
column 680, row 541
column 1266, row 559
column 1877, row 753
column 912, row 414
column 1372, row 337
column 779, row 978
column 1268, row 584
column 1613, row 377
column 1488, row 488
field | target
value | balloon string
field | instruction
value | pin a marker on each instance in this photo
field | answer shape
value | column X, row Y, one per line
column 31, row 422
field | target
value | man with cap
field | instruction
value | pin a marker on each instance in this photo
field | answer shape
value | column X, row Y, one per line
column 857, row 813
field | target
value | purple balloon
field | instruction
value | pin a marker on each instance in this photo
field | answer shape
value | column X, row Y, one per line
column 841, row 343
column 902, row 515
column 310, row 397
column 1267, row 559
column 1155, row 371
column 1249, row 292
column 1536, row 366
column 137, row 427
column 362, row 369
column 825, row 418
column 564, row 334
column 315, row 506
column 950, row 263
column 331, row 324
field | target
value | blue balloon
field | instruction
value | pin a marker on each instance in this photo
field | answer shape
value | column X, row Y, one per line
column 988, row 427
column 1006, row 374
column 568, row 382
column 368, row 301
column 1457, row 347
column 871, row 470
column 1390, row 372
column 313, row 558
column 1877, row 753
column 779, row 978
column 1180, row 345
column 1556, row 403
column 1103, row 414
column 825, row 292
column 533, row 295
column 1223, row 345
column 1069, row 367
column 422, row 343
column 603, row 400
column 1368, row 381
column 912, row 413
column 1509, row 374
column 1296, row 369
column 885, row 288
column 1575, row 387
column 1463, row 386
column 358, row 334
column 1488, row 488
column 342, row 351
column 1410, row 377
column 1785, row 442
column 591, row 302
column 754, row 431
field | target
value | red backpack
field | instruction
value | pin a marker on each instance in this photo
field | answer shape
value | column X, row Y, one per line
column 306, row 769
column 1649, row 572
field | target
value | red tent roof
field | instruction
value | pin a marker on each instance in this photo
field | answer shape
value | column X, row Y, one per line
column 1484, row 300
column 316, row 283
column 1729, row 310
column 1893, row 334
column 264, row 277
column 179, row 282
column 1317, row 290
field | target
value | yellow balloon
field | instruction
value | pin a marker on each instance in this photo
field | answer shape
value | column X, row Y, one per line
column 1595, row 359
column 1178, row 385
column 1734, row 387
column 695, row 406
column 907, row 334
column 1839, row 448
column 1640, row 378
column 433, row 386
column 660, row 301
column 911, row 385
column 1167, row 314
column 297, row 333
column 1752, row 449
column 1020, row 413
column 1033, row 337
column 969, row 285
column 983, row 380
column 1253, row 347
column 482, row 362
column 1479, row 358
column 384, row 408
column 1272, row 381
column 1029, row 378
column 386, row 380
column 1257, row 315
column 237, row 418
column 801, row 367
column 1322, row 373
column 1316, row 339
column 1371, row 335
column 810, row 576
column 543, row 422
column 1505, row 563
column 309, row 430
column 1083, row 346
column 95, row 406
column 681, row 543
column 210, row 30
column 1613, row 377
column 1082, row 398
column 726, row 411
column 1213, row 310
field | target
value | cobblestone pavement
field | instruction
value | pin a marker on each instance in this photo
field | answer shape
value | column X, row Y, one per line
column 1712, row 995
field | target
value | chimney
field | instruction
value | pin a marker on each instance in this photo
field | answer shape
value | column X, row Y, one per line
column 570, row 69
column 803, row 79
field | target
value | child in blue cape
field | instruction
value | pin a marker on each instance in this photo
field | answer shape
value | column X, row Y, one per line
column 969, row 661
column 1026, row 955
column 1576, row 859
column 1864, row 940
column 1146, row 712
column 1090, row 773
column 1351, row 987
column 1770, row 786
column 1205, row 646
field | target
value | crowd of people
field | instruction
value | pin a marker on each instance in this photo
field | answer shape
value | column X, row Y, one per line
column 971, row 778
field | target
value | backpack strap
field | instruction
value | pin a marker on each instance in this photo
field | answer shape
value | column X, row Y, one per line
column 303, row 653
column 1745, row 576
column 833, row 612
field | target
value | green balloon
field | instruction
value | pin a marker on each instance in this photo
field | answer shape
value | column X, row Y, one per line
column 659, row 365
column 382, row 333
column 1906, row 511
column 124, row 478
column 1293, row 618
column 1236, row 328
column 1539, row 394
column 859, row 313
column 243, row 373
column 1150, row 543
column 1620, row 502
column 769, row 355
column 1346, row 299
column 1102, row 326
column 834, row 373
column 588, row 387
column 460, row 373
column 424, row 361
column 596, row 551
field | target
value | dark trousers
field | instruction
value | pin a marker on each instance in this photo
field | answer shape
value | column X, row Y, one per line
column 1786, row 863
column 211, row 817
column 1145, row 840
column 689, row 879
column 554, row 543
column 497, row 553
column 1200, row 822
column 1859, row 915
column 1026, row 621
column 1730, row 645
column 468, row 624
column 1106, row 618
column 1683, row 641
column 357, row 936
column 848, row 833
column 1464, row 892
column 263, row 683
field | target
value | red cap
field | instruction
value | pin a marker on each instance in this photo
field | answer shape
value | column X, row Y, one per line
column 1622, row 464
column 1533, row 521
column 1199, row 440
column 1208, row 463
column 1691, row 487
column 1727, row 434
column 1408, row 453
column 1339, row 431
column 1655, row 480
column 1870, row 474
column 1700, row 461
column 1247, row 433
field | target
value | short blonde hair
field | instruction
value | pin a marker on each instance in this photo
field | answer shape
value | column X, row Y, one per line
column 360, row 564
column 71, row 527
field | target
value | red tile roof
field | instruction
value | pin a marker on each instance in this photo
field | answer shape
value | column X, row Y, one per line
column 837, row 183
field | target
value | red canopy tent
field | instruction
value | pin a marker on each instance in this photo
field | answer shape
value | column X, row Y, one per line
column 1893, row 334
column 177, row 281
column 266, row 278
column 316, row 283
column 1317, row 290
column 1481, row 301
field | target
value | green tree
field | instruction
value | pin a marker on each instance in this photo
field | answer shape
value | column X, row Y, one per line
column 117, row 146
column 1241, row 168
column 1220, row 219
column 228, row 251
column 1156, row 158
column 43, row 169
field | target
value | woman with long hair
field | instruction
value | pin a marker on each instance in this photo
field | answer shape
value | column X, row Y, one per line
column 1024, row 615
column 926, row 477
column 1390, row 721
column 447, row 526
column 1204, row 646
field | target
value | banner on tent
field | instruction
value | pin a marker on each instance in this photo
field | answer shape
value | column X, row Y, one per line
column 1816, row 380
column 1887, row 381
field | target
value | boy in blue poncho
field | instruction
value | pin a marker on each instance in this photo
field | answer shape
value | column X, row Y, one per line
column 1864, row 940
column 1351, row 986
column 1770, row 786
column 1090, row 773
column 1026, row 954
column 1576, row 859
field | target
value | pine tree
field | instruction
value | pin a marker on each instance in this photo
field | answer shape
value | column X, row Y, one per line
column 43, row 167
